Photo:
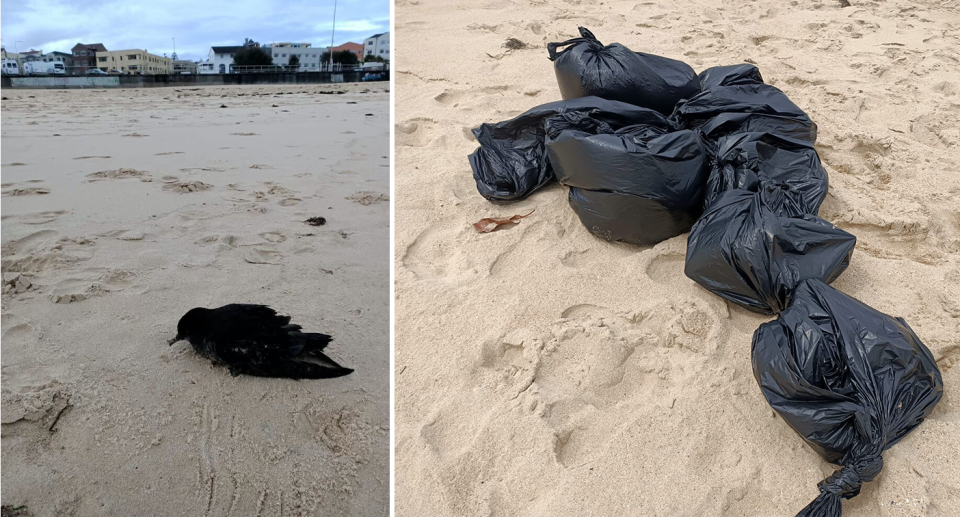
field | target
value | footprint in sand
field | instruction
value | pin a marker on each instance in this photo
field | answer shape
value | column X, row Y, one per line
column 125, row 235
column 33, row 191
column 231, row 241
column 262, row 256
column 184, row 187
column 273, row 236
column 90, row 157
column 95, row 283
column 367, row 197
column 117, row 174
column 14, row 164
column 417, row 132
column 44, row 405
column 16, row 283
column 37, row 217
column 169, row 153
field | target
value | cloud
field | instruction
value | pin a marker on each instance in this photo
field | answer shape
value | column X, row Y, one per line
column 59, row 24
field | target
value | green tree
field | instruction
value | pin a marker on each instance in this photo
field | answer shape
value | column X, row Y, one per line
column 252, row 56
column 345, row 57
column 370, row 58
column 294, row 62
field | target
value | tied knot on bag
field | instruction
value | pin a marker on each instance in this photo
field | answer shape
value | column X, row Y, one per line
column 846, row 482
column 585, row 35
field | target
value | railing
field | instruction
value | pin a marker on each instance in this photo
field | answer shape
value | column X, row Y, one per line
column 231, row 69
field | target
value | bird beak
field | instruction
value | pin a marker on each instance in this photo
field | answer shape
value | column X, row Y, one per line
column 174, row 340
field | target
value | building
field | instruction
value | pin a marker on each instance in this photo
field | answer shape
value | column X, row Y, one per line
column 134, row 61
column 60, row 57
column 182, row 66
column 356, row 48
column 220, row 59
column 85, row 56
column 309, row 56
column 52, row 57
column 377, row 45
column 31, row 55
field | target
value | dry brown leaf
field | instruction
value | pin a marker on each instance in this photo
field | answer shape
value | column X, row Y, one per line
column 489, row 224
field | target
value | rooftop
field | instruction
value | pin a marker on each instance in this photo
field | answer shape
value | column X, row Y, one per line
column 227, row 50
column 90, row 46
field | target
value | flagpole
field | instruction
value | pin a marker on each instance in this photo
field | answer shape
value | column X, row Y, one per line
column 333, row 32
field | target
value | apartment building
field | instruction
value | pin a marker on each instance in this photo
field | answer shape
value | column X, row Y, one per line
column 85, row 56
column 134, row 61
column 308, row 55
column 356, row 48
column 183, row 66
column 59, row 57
column 377, row 45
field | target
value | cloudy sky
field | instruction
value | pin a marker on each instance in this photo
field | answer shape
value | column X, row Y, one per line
column 50, row 25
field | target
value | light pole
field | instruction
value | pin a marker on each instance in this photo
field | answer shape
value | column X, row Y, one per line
column 332, row 32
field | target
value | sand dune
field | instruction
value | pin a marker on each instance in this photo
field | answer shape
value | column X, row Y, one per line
column 150, row 206
column 541, row 371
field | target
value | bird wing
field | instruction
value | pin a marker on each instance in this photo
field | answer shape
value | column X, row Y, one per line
column 269, row 359
column 247, row 321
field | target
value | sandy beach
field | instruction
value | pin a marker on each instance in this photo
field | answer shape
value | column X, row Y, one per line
column 123, row 209
column 544, row 372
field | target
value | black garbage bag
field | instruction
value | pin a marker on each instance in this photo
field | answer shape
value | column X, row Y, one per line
column 760, row 161
column 732, row 123
column 747, row 253
column 640, row 185
column 740, row 98
column 730, row 75
column 510, row 162
column 850, row 380
column 587, row 67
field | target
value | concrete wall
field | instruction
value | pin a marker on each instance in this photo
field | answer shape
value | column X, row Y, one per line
column 62, row 82
column 149, row 81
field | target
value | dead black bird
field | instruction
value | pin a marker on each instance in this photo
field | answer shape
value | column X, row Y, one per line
column 255, row 340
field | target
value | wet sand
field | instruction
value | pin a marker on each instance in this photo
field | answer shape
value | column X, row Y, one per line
column 123, row 209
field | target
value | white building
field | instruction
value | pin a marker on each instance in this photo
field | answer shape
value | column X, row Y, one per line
column 309, row 56
column 377, row 45
column 219, row 60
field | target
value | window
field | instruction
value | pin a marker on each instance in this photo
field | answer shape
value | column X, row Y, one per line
column 284, row 55
column 102, row 59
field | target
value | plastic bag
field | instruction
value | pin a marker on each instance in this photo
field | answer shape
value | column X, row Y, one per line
column 730, row 75
column 732, row 123
column 510, row 162
column 741, row 98
column 587, row 67
column 850, row 380
column 787, row 172
column 745, row 252
column 641, row 185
